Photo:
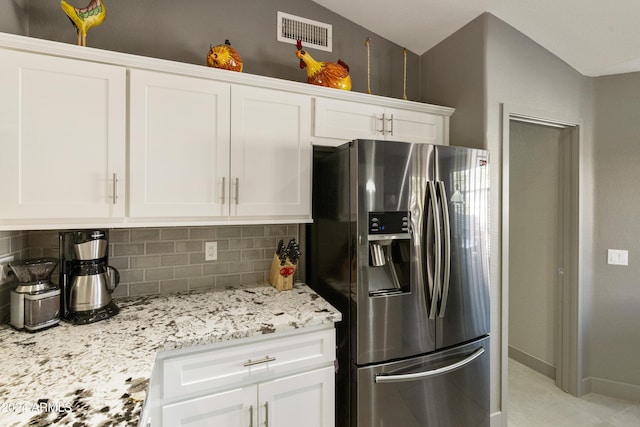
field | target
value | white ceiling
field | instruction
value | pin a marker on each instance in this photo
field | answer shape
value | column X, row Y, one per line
column 595, row 37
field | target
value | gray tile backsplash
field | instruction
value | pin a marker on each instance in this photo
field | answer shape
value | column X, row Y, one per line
column 14, row 243
column 166, row 260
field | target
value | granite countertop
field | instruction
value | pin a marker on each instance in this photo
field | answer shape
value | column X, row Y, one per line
column 97, row 374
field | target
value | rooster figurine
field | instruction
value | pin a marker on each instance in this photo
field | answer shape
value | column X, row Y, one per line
column 225, row 57
column 329, row 74
column 85, row 18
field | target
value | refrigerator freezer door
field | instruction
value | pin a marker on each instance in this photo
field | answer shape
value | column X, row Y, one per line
column 449, row 388
column 463, row 181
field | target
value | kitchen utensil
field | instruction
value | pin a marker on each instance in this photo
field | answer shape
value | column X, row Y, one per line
column 92, row 286
column 35, row 302
column 283, row 266
column 86, row 279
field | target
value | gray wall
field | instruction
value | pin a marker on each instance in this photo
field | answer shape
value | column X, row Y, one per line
column 14, row 243
column 460, row 59
column 521, row 74
column 183, row 31
column 13, row 18
column 614, row 340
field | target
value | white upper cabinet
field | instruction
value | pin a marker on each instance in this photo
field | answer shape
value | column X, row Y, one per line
column 270, row 153
column 93, row 138
column 63, row 133
column 341, row 121
column 179, row 146
column 206, row 149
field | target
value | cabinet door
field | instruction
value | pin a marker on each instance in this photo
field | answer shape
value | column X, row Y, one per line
column 270, row 153
column 179, row 146
column 414, row 126
column 232, row 408
column 346, row 121
column 63, row 133
column 304, row 399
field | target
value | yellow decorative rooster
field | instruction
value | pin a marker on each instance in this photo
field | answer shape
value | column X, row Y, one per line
column 329, row 74
column 225, row 57
column 85, row 18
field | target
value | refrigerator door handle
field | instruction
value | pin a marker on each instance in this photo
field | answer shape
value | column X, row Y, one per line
column 446, row 248
column 382, row 378
column 437, row 248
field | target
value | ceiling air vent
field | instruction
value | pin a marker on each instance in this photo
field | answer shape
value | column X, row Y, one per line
column 313, row 34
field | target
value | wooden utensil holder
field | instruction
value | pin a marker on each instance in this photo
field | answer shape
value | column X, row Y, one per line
column 280, row 281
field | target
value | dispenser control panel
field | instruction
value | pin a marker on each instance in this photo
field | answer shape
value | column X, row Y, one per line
column 389, row 222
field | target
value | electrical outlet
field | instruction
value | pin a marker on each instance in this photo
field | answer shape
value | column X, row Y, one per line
column 211, row 251
column 4, row 267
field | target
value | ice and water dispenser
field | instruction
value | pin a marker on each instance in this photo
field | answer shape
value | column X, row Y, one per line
column 389, row 253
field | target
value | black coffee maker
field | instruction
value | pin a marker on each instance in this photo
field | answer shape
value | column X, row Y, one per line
column 86, row 278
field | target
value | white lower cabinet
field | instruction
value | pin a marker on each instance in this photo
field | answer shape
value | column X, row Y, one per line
column 229, row 408
column 282, row 402
column 304, row 399
column 268, row 381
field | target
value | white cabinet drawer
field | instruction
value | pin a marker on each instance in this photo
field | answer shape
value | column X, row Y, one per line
column 247, row 362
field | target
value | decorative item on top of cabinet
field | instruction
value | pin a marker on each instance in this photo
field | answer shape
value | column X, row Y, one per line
column 85, row 18
column 404, row 75
column 367, row 43
column 329, row 74
column 225, row 57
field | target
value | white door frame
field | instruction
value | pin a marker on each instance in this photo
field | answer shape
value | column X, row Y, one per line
column 569, row 348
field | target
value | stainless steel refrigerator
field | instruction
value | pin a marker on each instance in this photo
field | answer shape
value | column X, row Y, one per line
column 399, row 244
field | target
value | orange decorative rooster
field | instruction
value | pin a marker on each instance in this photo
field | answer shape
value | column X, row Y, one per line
column 85, row 18
column 225, row 57
column 329, row 74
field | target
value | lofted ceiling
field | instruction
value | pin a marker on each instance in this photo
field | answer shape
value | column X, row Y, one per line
column 593, row 36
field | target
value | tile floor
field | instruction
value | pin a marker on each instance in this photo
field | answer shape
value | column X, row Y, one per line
column 535, row 401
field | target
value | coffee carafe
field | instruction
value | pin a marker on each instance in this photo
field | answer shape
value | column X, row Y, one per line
column 86, row 279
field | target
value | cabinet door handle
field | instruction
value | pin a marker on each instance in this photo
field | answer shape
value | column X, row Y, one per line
column 237, row 190
column 382, row 120
column 223, row 190
column 115, row 188
column 266, row 414
column 391, row 125
column 251, row 416
column 259, row 361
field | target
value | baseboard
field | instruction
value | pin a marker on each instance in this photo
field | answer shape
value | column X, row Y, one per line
column 532, row 362
column 611, row 388
column 496, row 419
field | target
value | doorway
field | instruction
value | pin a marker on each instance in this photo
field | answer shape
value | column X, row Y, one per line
column 534, row 230
column 540, row 246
